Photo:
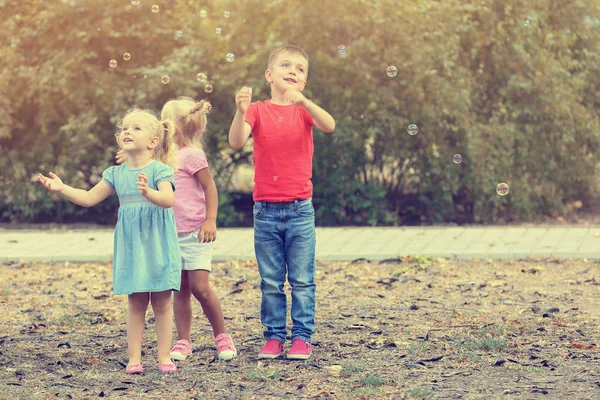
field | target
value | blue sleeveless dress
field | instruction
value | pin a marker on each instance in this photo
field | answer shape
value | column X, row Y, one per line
column 146, row 254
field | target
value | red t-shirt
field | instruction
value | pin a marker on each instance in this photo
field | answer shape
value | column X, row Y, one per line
column 283, row 150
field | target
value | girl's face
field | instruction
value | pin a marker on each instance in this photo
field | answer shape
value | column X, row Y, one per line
column 136, row 133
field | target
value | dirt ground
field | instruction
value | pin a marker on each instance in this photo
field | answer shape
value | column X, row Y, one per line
column 402, row 328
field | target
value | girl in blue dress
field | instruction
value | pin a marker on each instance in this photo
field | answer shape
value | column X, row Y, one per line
column 146, row 258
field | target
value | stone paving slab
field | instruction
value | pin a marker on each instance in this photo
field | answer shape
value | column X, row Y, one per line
column 342, row 243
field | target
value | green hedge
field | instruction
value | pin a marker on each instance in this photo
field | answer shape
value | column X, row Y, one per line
column 511, row 85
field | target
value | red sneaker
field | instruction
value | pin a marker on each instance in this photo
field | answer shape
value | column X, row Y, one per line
column 272, row 349
column 300, row 350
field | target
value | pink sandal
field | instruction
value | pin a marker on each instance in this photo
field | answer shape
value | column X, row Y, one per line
column 134, row 369
column 167, row 368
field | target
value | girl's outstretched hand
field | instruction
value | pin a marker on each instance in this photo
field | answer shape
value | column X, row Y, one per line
column 208, row 232
column 121, row 157
column 52, row 183
column 142, row 183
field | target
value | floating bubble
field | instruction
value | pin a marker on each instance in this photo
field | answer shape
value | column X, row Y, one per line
column 280, row 119
column 208, row 88
column 218, row 31
column 457, row 158
column 165, row 79
column 230, row 57
column 179, row 34
column 502, row 189
column 412, row 129
column 126, row 56
column 226, row 14
column 203, row 13
column 342, row 49
column 362, row 116
column 155, row 9
column 112, row 63
column 275, row 178
column 135, row 2
column 391, row 71
column 526, row 22
column 201, row 77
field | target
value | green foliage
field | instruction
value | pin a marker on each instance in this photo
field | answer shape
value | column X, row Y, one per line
column 519, row 100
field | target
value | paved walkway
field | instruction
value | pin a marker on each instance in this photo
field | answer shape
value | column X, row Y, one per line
column 350, row 243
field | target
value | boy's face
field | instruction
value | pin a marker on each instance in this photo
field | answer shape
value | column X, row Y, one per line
column 289, row 70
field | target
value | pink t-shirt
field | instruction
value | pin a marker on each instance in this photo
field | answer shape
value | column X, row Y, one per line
column 190, row 202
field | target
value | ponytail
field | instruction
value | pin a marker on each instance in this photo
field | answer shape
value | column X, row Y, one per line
column 165, row 152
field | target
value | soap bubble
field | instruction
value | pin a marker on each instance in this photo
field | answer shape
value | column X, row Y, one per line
column 203, row 13
column 226, row 14
column 230, row 57
column 165, row 79
column 135, row 2
column 179, row 34
column 457, row 158
column 341, row 49
column 201, row 77
column 391, row 71
column 113, row 63
column 526, row 22
column 126, row 56
column 412, row 129
column 218, row 31
column 208, row 88
column 502, row 189
column 155, row 9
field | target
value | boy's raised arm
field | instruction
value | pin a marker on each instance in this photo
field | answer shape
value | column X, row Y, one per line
column 240, row 129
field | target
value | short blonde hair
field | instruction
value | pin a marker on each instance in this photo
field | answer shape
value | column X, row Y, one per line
column 162, row 129
column 290, row 48
column 190, row 119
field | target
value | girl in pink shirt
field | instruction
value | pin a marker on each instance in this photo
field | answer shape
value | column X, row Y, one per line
column 195, row 209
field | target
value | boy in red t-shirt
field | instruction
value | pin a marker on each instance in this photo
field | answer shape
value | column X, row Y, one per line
column 284, row 217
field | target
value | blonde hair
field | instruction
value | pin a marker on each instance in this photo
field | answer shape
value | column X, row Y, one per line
column 163, row 129
column 190, row 120
column 290, row 48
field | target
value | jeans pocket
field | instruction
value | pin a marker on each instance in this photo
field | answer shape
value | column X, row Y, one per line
column 306, row 209
column 258, row 209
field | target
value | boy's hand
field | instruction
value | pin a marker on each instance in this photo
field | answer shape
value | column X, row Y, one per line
column 142, row 183
column 121, row 157
column 242, row 99
column 208, row 232
column 295, row 96
column 53, row 184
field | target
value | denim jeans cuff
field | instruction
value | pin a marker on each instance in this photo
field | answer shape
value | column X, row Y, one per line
column 306, row 339
column 276, row 338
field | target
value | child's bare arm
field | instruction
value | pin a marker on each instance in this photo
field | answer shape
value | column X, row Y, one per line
column 84, row 198
column 323, row 120
column 240, row 129
column 208, row 232
column 163, row 197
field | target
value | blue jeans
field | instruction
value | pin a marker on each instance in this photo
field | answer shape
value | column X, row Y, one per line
column 285, row 241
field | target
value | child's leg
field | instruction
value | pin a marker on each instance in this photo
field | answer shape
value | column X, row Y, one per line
column 161, row 304
column 269, row 249
column 200, row 288
column 136, row 319
column 300, row 239
column 182, row 308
